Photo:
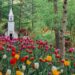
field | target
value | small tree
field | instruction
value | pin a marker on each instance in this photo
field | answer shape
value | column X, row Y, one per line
column 57, row 37
column 63, row 29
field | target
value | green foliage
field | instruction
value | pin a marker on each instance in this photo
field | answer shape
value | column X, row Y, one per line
column 36, row 14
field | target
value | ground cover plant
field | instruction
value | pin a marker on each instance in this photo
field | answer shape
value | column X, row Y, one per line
column 25, row 56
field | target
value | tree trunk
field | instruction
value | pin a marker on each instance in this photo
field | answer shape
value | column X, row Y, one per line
column 57, row 37
column 32, row 14
column 20, row 15
column 63, row 29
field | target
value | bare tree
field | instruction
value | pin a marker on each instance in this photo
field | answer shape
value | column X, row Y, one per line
column 63, row 28
column 57, row 37
column 20, row 15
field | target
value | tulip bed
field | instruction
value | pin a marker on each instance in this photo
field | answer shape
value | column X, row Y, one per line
column 25, row 56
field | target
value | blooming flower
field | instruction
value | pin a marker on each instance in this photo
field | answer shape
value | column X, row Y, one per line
column 48, row 58
column 17, row 56
column 32, row 58
column 1, row 48
column 61, row 70
column 55, row 71
column 66, row 63
column 71, row 49
column 36, row 65
column 13, row 61
column 23, row 67
column 13, row 53
column 24, row 58
column 8, row 72
column 28, row 62
column 1, row 73
column 19, row 73
column 4, row 56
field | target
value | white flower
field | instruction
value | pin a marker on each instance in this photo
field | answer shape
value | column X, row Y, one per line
column 4, row 56
column 23, row 67
column 36, row 65
column 22, row 73
column 54, row 68
column 8, row 71
column 61, row 70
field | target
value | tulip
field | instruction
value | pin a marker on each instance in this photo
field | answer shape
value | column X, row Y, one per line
column 42, row 60
column 13, row 53
column 1, row 73
column 1, row 48
column 57, row 55
column 32, row 58
column 13, row 61
column 36, row 65
column 19, row 73
column 23, row 67
column 56, row 51
column 23, row 59
column 61, row 70
column 48, row 58
column 74, row 64
column 55, row 70
column 17, row 56
column 28, row 62
column 8, row 72
column 13, row 48
column 71, row 49
column 66, row 63
column 4, row 56
column 62, row 60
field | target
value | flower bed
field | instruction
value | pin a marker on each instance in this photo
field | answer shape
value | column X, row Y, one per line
column 24, row 56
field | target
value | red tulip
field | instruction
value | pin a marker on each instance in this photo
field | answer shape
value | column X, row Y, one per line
column 56, row 51
column 13, row 53
column 41, row 60
column 29, row 51
column 32, row 58
column 13, row 49
column 71, row 50
column 9, row 46
column 26, row 56
column 62, row 60
column 23, row 59
column 1, row 48
column 74, row 64
column 57, row 56
column 13, row 61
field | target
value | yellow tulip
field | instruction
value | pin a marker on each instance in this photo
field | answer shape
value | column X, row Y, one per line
column 28, row 62
column 17, row 56
column 66, row 63
column 19, row 73
column 49, row 58
column 55, row 72
column 1, row 73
